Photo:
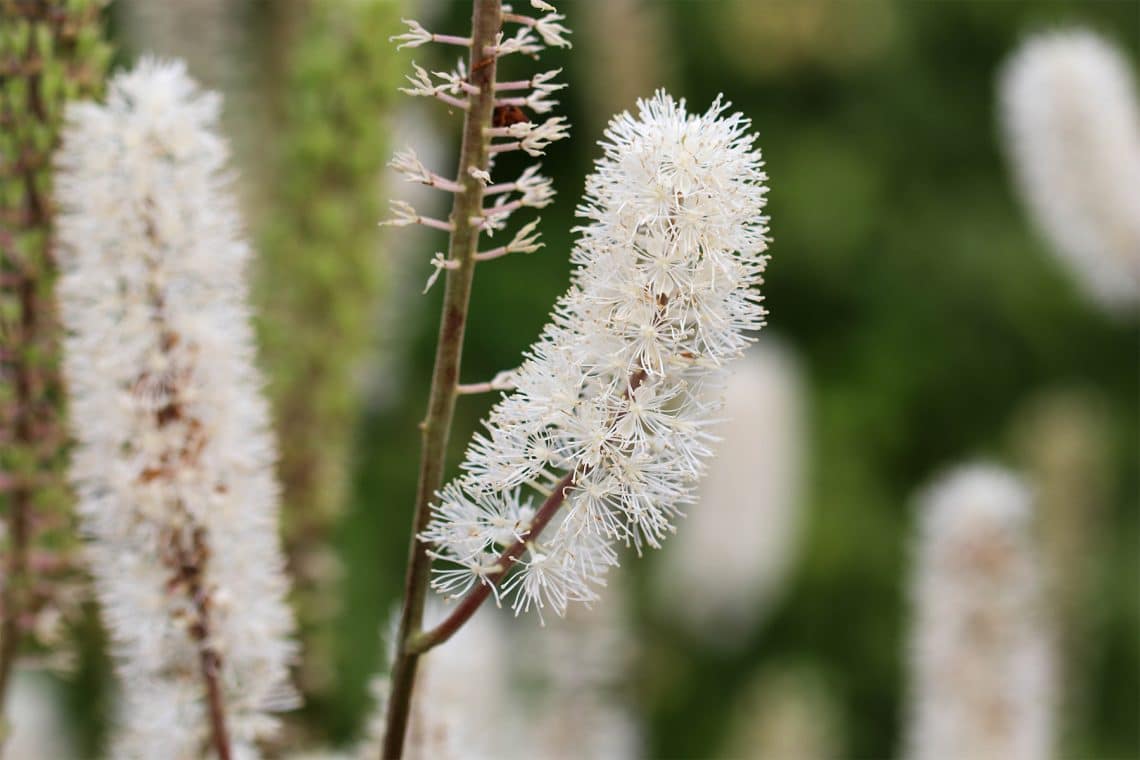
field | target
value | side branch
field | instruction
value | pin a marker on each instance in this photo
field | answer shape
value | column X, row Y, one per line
column 476, row 596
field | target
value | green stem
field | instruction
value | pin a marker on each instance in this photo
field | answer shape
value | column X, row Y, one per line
column 485, row 24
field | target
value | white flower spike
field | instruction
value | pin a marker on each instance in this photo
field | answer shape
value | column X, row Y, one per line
column 1072, row 128
column 981, row 654
column 174, row 457
column 614, row 401
column 716, row 583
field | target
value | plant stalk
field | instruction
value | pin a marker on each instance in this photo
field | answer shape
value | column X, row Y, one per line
column 436, row 427
column 476, row 596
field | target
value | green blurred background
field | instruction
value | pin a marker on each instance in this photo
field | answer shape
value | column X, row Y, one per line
column 927, row 313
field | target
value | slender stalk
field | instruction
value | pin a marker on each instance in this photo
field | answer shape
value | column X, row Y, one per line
column 219, row 736
column 191, row 569
column 485, row 24
column 210, row 663
column 189, row 562
column 476, row 596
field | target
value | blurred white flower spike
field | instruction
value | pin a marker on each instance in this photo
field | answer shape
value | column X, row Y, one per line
column 606, row 435
column 463, row 707
column 1072, row 128
column 982, row 672
column 716, row 582
column 174, row 456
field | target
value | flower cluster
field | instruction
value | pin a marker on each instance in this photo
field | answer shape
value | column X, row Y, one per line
column 174, row 462
column 1072, row 126
column 613, row 403
column 982, row 666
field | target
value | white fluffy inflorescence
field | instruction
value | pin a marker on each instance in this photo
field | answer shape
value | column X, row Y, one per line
column 615, row 399
column 1072, row 125
column 981, row 657
column 174, row 462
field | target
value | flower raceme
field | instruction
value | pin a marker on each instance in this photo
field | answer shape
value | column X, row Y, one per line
column 174, row 458
column 982, row 667
column 1072, row 130
column 613, row 404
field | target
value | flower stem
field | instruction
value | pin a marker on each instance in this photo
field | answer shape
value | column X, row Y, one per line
column 476, row 596
column 485, row 24
column 474, row 599
column 191, row 566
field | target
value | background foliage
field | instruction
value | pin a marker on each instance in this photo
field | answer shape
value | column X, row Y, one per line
column 927, row 313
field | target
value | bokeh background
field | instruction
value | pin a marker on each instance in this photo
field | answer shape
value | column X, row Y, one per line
column 929, row 321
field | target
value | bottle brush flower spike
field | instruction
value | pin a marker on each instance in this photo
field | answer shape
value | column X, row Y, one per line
column 614, row 402
column 1072, row 126
column 982, row 677
column 174, row 457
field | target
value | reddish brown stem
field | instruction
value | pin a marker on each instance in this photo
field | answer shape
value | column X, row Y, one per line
column 188, row 561
column 476, row 596
column 218, row 734
column 215, row 701
column 191, row 569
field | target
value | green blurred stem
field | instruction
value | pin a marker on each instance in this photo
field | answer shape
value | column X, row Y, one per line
column 485, row 24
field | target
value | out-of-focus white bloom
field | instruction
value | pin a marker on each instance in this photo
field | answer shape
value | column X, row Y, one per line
column 981, row 655
column 35, row 720
column 578, row 670
column 174, row 457
column 498, row 691
column 738, row 541
column 617, row 396
column 1072, row 127
column 460, row 709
